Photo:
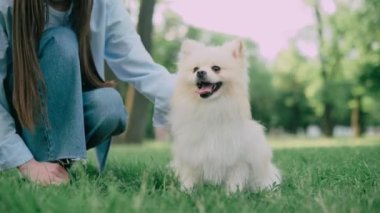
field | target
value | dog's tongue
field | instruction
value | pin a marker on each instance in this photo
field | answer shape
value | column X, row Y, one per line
column 205, row 89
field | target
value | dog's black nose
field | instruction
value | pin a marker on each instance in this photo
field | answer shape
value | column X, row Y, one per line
column 201, row 74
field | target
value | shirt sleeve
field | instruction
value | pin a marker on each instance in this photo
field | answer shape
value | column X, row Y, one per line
column 129, row 60
column 13, row 151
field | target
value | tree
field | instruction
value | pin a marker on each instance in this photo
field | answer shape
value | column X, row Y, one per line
column 368, row 78
column 329, row 92
column 292, row 74
column 360, row 61
column 327, row 121
column 137, row 104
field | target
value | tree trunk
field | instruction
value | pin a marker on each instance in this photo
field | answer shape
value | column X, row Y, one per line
column 357, row 117
column 327, row 121
column 137, row 104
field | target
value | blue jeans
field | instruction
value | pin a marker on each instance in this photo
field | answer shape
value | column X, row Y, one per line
column 76, row 120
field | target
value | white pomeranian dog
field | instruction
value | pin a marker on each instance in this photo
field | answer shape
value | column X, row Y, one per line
column 215, row 138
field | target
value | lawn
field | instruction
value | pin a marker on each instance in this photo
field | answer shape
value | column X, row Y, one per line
column 340, row 175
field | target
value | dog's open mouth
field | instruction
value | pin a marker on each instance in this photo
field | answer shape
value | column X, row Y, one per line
column 206, row 89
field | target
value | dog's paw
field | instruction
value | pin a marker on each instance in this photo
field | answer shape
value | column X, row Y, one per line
column 233, row 188
column 269, row 182
column 187, row 187
column 188, row 178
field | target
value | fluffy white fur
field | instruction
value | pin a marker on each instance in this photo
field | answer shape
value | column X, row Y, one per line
column 215, row 138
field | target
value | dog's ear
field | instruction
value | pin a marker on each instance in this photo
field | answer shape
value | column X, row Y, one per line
column 237, row 47
column 188, row 46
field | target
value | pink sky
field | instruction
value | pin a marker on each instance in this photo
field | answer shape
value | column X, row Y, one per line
column 270, row 23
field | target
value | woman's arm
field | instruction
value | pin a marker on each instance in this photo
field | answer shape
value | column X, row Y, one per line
column 13, row 151
column 128, row 59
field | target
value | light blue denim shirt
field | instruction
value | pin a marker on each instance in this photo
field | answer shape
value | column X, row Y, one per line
column 113, row 39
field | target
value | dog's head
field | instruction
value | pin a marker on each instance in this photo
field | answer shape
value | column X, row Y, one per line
column 210, row 71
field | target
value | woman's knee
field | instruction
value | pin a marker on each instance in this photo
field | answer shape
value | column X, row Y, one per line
column 61, row 42
column 59, row 59
column 105, row 107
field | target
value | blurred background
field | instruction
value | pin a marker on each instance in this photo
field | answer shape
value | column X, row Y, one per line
column 314, row 64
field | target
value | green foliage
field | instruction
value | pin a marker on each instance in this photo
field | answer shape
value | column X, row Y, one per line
column 262, row 93
column 138, row 179
column 290, row 93
column 167, row 41
column 292, row 74
column 360, row 51
column 370, row 78
column 350, row 53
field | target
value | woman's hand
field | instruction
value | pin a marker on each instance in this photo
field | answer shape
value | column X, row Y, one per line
column 44, row 173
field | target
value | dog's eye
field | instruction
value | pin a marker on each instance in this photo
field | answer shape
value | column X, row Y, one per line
column 195, row 69
column 215, row 68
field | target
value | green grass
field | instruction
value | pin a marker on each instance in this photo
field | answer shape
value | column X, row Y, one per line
column 341, row 178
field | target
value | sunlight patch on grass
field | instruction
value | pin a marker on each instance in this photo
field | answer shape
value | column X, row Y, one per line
column 275, row 142
column 290, row 143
